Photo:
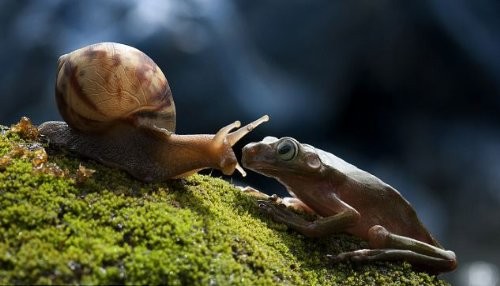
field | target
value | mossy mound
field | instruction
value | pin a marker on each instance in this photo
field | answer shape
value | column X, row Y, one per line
column 59, row 223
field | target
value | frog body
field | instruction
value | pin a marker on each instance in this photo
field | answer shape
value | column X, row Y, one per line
column 347, row 199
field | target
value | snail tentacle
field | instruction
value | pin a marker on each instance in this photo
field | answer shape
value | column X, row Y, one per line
column 235, row 136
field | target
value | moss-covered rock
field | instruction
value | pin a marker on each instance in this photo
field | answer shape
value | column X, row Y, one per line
column 62, row 223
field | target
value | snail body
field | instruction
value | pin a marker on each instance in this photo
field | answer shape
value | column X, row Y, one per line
column 119, row 110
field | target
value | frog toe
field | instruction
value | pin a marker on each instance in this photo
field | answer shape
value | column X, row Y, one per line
column 357, row 255
column 267, row 207
column 277, row 212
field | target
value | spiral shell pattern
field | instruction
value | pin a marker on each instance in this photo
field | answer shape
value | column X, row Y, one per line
column 100, row 84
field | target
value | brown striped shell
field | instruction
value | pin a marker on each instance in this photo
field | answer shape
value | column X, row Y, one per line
column 101, row 84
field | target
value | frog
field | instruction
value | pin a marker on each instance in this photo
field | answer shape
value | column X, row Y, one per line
column 344, row 199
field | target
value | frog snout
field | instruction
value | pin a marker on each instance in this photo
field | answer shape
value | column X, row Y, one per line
column 247, row 153
column 254, row 153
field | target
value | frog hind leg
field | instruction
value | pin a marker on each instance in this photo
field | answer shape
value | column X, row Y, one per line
column 387, row 246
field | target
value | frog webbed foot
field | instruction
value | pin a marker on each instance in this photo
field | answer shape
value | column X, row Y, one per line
column 431, row 264
column 252, row 192
column 278, row 212
column 361, row 255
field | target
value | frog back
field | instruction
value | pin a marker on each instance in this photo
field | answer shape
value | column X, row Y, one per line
column 377, row 202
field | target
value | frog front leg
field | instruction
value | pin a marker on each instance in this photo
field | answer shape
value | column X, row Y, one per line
column 389, row 246
column 318, row 228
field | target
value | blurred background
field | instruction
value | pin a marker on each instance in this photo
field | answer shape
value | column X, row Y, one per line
column 407, row 91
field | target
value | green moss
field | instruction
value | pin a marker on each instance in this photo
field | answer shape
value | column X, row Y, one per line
column 113, row 229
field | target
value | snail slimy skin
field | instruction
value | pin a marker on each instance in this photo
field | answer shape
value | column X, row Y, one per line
column 118, row 109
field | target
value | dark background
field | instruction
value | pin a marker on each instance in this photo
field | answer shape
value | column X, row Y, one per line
column 407, row 91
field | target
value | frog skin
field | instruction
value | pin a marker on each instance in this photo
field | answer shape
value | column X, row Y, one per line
column 346, row 199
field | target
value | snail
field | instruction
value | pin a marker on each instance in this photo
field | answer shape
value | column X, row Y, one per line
column 118, row 109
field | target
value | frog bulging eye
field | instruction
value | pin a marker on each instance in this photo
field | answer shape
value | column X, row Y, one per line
column 287, row 150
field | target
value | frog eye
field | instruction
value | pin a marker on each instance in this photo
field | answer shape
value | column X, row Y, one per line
column 287, row 150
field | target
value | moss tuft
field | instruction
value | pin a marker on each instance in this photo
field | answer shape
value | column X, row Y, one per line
column 108, row 228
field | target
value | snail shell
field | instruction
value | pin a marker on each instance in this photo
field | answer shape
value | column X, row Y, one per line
column 100, row 84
